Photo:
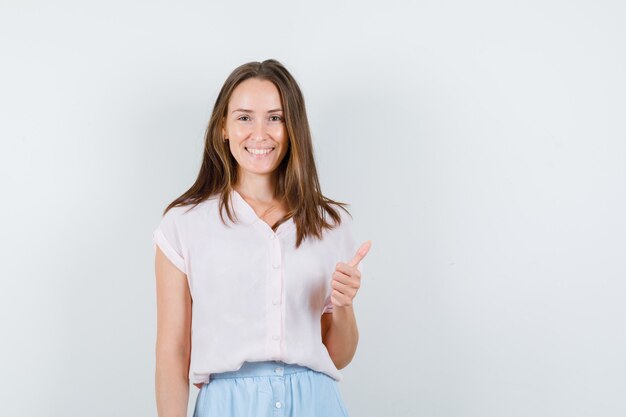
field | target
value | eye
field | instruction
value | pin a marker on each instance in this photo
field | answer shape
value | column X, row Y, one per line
column 276, row 118
column 241, row 117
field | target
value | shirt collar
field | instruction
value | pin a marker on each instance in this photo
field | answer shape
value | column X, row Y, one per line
column 243, row 210
column 246, row 213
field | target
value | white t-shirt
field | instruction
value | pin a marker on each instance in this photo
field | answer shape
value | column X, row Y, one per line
column 255, row 296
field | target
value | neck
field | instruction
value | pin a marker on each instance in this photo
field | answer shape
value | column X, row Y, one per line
column 256, row 187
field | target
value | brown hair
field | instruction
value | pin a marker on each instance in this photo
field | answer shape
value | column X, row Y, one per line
column 297, row 181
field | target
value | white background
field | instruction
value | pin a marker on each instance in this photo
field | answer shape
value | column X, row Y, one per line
column 481, row 144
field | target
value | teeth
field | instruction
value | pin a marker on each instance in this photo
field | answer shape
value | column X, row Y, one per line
column 259, row 151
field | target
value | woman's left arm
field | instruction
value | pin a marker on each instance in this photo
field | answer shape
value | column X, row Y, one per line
column 339, row 330
column 340, row 335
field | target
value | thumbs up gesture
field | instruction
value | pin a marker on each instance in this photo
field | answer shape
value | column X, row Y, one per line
column 347, row 278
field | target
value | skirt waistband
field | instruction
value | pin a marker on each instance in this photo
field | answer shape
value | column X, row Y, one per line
column 264, row 368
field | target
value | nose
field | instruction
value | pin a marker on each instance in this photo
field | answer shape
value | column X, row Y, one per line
column 258, row 132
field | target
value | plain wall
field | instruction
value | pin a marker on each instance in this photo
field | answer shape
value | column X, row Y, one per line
column 481, row 144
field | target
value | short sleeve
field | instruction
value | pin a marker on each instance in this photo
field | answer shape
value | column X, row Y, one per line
column 328, row 304
column 347, row 250
column 167, row 237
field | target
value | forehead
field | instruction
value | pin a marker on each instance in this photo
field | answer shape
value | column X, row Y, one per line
column 255, row 93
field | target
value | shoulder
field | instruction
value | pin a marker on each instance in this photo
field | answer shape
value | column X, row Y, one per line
column 345, row 217
column 189, row 213
column 343, row 227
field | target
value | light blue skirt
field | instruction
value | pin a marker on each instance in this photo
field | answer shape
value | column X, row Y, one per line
column 270, row 389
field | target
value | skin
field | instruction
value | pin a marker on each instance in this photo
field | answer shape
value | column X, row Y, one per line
column 340, row 334
column 173, row 346
column 260, row 125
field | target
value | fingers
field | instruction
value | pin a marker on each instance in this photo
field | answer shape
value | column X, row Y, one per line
column 347, row 269
column 346, row 278
column 347, row 289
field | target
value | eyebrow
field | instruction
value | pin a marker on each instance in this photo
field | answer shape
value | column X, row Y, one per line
column 251, row 111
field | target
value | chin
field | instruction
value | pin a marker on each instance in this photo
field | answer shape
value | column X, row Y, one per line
column 258, row 171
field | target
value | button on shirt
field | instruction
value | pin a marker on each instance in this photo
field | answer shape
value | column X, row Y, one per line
column 255, row 296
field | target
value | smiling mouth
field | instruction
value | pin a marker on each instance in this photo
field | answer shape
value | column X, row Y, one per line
column 259, row 152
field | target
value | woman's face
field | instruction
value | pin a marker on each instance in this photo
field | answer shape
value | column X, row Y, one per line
column 255, row 127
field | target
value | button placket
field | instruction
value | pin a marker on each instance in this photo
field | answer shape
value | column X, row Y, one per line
column 275, row 295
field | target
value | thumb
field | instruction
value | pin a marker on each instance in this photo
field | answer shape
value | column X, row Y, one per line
column 360, row 253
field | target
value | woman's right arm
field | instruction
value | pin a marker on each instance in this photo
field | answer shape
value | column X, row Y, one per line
column 173, row 345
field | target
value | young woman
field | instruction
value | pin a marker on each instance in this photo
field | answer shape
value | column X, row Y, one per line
column 241, row 298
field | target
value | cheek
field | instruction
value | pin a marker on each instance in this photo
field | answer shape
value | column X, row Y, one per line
column 280, row 134
column 238, row 131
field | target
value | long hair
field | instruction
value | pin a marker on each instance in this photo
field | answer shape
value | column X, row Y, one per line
column 297, row 182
